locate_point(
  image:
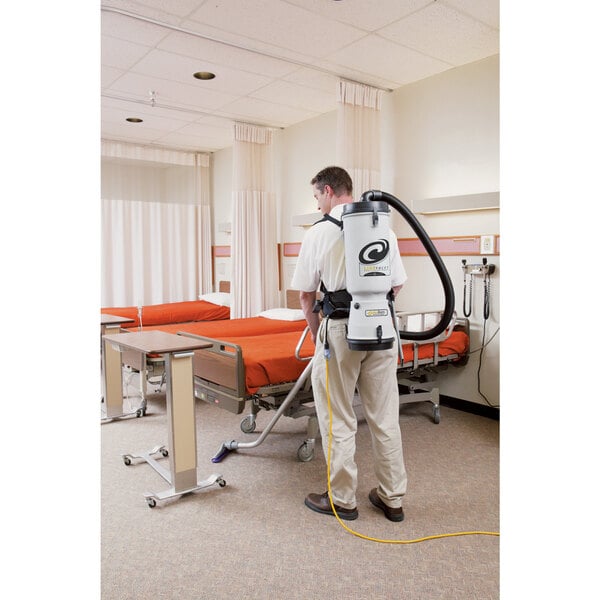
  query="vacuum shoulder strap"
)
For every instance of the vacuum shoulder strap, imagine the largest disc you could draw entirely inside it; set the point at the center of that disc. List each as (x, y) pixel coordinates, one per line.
(328, 217)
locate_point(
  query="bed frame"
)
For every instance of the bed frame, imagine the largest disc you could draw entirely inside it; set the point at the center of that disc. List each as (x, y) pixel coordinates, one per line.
(416, 377)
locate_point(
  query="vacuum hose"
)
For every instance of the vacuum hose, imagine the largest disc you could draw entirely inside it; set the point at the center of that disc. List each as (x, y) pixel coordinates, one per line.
(376, 195)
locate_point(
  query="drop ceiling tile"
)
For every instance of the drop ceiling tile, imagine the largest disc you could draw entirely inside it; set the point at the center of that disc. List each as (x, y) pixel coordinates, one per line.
(278, 24)
(120, 53)
(368, 15)
(266, 113)
(289, 94)
(201, 137)
(487, 11)
(388, 60)
(444, 33)
(224, 129)
(108, 75)
(196, 143)
(313, 79)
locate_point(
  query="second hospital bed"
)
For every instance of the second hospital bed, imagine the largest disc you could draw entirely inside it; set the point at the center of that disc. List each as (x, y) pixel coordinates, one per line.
(272, 372)
(268, 322)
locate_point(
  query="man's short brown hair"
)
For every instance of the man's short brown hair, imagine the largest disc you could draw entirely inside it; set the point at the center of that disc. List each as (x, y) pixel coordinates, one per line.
(336, 178)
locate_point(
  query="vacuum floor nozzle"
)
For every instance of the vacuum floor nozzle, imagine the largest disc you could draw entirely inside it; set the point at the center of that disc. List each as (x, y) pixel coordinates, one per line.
(221, 454)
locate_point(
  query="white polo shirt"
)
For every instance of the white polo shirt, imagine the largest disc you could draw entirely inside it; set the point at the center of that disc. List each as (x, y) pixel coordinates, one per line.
(322, 258)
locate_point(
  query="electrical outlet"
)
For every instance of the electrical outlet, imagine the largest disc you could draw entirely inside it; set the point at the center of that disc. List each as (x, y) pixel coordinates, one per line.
(487, 244)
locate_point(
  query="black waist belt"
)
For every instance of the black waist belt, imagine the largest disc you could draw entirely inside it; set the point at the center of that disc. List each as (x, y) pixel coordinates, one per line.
(335, 305)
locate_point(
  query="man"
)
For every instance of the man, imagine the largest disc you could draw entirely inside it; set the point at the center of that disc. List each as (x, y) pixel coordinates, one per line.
(321, 265)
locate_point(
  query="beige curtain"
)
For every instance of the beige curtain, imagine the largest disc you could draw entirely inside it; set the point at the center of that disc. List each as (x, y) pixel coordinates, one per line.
(155, 219)
(255, 279)
(204, 233)
(358, 134)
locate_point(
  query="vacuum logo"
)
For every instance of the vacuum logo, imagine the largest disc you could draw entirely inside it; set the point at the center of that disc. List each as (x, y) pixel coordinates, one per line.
(372, 259)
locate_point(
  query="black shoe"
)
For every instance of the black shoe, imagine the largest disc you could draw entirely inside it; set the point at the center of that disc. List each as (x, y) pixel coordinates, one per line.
(320, 503)
(393, 514)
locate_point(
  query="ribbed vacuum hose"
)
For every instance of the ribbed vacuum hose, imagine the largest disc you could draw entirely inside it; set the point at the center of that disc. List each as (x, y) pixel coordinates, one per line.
(433, 254)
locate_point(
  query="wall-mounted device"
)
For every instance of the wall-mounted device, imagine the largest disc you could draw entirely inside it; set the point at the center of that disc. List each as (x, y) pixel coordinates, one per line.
(482, 268)
(470, 270)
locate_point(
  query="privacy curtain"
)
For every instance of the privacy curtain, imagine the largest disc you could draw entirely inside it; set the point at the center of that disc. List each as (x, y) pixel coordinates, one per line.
(156, 227)
(358, 134)
(255, 280)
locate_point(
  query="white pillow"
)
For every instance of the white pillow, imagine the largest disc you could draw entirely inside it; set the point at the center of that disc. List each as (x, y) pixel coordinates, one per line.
(219, 298)
(283, 314)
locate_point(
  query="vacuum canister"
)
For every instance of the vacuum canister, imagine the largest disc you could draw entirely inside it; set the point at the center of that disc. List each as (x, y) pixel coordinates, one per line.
(368, 275)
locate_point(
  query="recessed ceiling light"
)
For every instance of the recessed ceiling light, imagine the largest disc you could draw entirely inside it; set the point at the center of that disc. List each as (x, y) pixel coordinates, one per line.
(204, 75)
(134, 120)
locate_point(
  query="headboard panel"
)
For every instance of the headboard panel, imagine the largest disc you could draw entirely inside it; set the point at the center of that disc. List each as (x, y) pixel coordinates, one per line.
(292, 299)
(225, 286)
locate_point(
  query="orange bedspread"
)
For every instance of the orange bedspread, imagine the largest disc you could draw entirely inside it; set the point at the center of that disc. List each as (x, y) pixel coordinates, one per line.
(248, 326)
(270, 359)
(171, 312)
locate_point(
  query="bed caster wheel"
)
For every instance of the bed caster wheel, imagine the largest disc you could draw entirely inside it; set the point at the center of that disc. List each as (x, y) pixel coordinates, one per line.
(151, 502)
(139, 412)
(164, 452)
(126, 460)
(222, 483)
(436, 414)
(306, 452)
(248, 424)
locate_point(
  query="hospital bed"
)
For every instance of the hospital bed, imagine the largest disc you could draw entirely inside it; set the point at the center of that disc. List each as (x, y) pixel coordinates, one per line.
(211, 307)
(272, 372)
(268, 322)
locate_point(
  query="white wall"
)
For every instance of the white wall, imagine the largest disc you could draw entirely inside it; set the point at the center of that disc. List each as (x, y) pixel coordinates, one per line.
(443, 140)
(306, 148)
(440, 137)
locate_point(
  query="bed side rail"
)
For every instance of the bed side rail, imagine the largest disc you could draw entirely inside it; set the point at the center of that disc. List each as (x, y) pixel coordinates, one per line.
(426, 320)
(219, 373)
(422, 321)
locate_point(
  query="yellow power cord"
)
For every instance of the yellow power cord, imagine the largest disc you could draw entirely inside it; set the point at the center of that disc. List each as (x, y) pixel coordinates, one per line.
(366, 537)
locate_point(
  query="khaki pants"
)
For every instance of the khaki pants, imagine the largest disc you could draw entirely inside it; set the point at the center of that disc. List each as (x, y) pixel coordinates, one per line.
(373, 373)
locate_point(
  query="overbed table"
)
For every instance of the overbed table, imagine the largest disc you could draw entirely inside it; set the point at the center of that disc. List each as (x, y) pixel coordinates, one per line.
(112, 388)
(181, 410)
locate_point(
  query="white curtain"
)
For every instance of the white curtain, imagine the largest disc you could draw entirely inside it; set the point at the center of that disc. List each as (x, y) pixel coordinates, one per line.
(255, 280)
(156, 232)
(359, 134)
